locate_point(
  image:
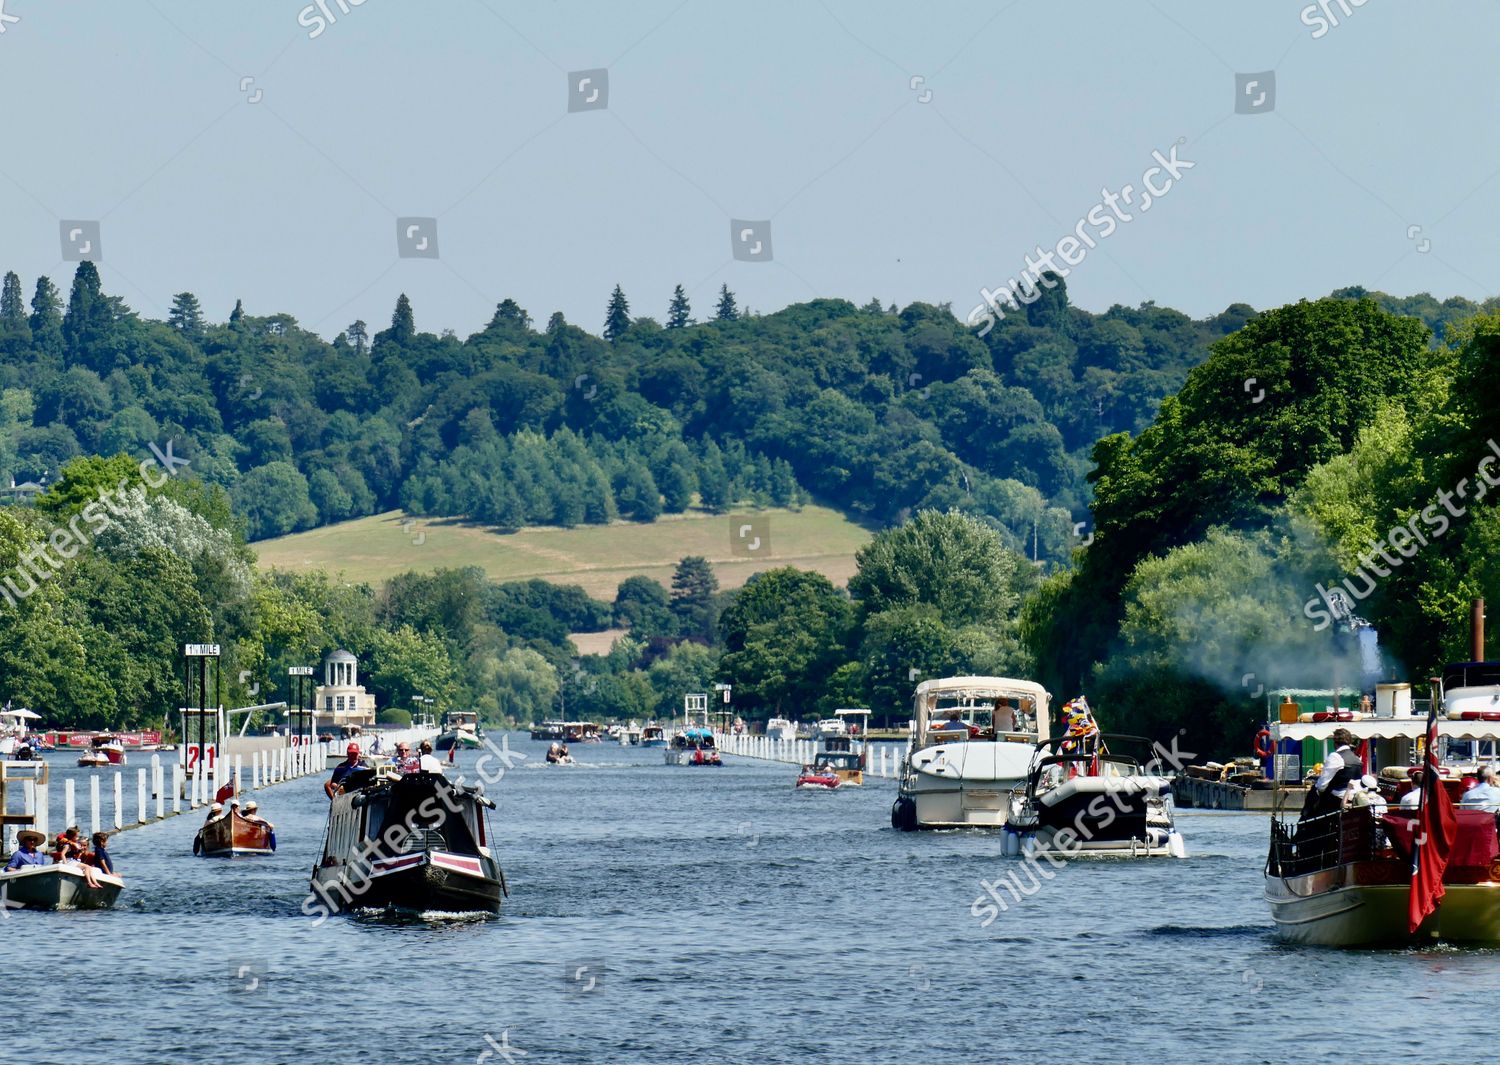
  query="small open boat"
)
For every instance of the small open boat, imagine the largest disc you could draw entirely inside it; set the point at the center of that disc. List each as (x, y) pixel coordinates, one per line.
(57, 887)
(103, 750)
(233, 835)
(818, 778)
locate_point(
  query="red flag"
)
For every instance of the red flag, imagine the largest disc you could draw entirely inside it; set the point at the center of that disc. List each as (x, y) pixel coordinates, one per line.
(1436, 827)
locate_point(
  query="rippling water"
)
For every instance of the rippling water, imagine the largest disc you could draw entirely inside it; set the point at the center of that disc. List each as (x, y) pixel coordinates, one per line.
(729, 920)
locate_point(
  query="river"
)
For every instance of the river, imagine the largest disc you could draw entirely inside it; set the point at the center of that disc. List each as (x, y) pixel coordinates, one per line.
(671, 914)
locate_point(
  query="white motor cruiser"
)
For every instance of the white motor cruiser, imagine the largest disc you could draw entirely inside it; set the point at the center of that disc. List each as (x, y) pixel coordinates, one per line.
(971, 747)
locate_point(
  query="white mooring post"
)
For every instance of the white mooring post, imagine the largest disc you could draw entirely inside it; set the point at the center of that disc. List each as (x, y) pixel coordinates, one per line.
(195, 787)
(238, 766)
(119, 817)
(43, 811)
(157, 788)
(142, 811)
(94, 802)
(255, 769)
(70, 804)
(178, 781)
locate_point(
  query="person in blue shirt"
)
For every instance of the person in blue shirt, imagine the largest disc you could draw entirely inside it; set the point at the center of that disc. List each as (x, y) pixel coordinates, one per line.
(351, 762)
(1484, 795)
(100, 858)
(27, 841)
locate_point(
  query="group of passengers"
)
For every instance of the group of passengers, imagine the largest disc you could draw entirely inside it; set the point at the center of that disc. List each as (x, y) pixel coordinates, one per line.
(68, 848)
(1342, 781)
(403, 761)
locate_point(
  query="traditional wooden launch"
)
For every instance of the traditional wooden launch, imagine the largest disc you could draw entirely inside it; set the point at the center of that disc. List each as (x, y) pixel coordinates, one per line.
(232, 834)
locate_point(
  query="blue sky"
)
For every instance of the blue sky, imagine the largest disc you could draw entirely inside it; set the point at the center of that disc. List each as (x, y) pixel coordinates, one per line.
(138, 114)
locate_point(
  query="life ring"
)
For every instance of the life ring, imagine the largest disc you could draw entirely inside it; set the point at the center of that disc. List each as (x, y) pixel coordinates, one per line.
(1264, 748)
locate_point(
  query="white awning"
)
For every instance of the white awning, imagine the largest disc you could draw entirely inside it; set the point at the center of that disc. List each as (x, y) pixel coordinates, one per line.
(1387, 728)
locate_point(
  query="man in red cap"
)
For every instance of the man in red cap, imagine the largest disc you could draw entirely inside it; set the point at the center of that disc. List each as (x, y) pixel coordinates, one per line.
(351, 762)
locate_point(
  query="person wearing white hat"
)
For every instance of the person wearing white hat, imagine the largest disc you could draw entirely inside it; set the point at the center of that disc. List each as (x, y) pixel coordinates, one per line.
(253, 817)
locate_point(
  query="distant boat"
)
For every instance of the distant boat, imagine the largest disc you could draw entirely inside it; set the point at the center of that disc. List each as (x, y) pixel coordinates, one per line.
(780, 728)
(460, 729)
(547, 731)
(653, 736)
(693, 746)
(581, 732)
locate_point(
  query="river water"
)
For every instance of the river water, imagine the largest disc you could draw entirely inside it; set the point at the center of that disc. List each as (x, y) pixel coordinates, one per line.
(672, 914)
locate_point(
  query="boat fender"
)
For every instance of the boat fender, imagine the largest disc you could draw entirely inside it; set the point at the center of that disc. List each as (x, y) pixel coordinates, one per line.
(1264, 748)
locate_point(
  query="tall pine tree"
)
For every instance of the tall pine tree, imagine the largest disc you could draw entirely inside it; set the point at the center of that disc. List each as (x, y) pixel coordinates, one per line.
(679, 314)
(403, 323)
(693, 588)
(727, 311)
(15, 330)
(617, 317)
(186, 314)
(85, 324)
(46, 317)
(237, 315)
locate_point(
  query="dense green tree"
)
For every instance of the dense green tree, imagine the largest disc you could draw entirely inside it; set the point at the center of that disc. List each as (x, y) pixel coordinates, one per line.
(643, 606)
(783, 635)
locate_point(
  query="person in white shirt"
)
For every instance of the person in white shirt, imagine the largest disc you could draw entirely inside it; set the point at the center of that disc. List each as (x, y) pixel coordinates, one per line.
(1340, 769)
(427, 763)
(1484, 795)
(1413, 798)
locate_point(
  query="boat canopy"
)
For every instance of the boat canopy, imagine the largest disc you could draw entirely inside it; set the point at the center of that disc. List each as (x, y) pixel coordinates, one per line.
(696, 733)
(1387, 728)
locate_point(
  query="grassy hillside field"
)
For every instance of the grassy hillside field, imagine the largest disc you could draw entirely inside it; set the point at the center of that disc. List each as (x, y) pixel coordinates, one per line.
(596, 557)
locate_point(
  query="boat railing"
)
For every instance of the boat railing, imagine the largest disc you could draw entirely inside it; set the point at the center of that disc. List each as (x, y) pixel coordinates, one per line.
(1328, 841)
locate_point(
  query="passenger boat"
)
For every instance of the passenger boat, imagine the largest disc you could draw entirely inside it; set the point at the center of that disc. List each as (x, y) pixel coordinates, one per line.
(547, 731)
(971, 746)
(831, 726)
(460, 729)
(413, 843)
(653, 736)
(1347, 878)
(581, 732)
(233, 835)
(818, 778)
(57, 887)
(1086, 795)
(693, 746)
(780, 728)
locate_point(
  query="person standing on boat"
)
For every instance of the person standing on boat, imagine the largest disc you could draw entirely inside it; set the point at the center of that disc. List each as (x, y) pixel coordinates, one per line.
(27, 841)
(352, 761)
(1340, 769)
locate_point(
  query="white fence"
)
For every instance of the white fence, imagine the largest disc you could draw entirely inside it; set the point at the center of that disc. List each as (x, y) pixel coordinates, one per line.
(162, 790)
(884, 759)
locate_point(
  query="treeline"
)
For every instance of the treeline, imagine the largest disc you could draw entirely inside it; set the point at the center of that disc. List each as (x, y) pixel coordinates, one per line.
(565, 479)
(877, 411)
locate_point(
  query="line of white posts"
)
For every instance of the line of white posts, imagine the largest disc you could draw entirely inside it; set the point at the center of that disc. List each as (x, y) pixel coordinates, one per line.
(884, 760)
(156, 799)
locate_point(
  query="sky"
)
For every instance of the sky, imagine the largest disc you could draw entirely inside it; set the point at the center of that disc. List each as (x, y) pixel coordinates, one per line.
(265, 151)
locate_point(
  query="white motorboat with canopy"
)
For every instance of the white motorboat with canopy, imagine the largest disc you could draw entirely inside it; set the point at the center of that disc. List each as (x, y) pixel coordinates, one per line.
(971, 746)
